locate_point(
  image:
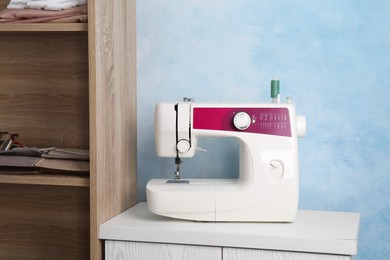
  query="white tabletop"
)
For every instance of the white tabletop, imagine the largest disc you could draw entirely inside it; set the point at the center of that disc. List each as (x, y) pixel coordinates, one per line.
(312, 231)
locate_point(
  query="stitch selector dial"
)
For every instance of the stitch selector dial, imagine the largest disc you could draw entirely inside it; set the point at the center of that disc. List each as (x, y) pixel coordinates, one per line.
(241, 121)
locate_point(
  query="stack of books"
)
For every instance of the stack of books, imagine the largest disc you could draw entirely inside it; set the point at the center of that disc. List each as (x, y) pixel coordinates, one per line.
(31, 160)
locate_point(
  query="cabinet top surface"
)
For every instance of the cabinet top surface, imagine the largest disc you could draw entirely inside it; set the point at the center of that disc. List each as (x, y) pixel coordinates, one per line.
(312, 231)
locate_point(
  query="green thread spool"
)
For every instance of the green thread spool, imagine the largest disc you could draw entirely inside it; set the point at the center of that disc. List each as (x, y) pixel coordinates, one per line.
(274, 88)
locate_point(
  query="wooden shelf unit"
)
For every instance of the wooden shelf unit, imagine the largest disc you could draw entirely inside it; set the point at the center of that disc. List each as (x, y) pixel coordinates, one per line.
(69, 85)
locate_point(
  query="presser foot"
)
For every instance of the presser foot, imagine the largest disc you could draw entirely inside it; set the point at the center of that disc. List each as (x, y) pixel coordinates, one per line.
(178, 181)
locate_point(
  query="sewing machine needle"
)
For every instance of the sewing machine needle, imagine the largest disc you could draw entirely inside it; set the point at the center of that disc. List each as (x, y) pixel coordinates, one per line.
(177, 172)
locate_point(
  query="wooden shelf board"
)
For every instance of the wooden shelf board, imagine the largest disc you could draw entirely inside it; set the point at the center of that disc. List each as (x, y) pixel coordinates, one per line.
(45, 179)
(45, 27)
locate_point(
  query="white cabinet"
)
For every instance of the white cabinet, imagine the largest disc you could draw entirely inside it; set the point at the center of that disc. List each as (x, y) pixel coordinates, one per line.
(139, 234)
(120, 250)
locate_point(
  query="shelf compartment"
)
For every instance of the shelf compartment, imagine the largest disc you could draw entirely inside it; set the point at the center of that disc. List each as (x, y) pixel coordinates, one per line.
(44, 88)
(44, 222)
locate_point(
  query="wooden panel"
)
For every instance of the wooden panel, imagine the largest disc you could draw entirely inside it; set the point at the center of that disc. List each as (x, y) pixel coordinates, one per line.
(254, 254)
(45, 27)
(44, 88)
(116, 250)
(45, 179)
(3, 4)
(43, 222)
(112, 111)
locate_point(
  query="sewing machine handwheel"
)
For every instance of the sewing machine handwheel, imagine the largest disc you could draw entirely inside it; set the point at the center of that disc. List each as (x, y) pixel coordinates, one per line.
(242, 121)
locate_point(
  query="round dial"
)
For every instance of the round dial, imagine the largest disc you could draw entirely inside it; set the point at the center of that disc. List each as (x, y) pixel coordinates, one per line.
(242, 121)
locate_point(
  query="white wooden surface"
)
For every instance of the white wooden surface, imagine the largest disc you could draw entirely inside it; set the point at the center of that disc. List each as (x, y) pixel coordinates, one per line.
(116, 250)
(312, 231)
(256, 254)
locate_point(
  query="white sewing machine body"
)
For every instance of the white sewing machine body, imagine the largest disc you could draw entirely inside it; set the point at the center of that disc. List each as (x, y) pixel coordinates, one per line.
(268, 186)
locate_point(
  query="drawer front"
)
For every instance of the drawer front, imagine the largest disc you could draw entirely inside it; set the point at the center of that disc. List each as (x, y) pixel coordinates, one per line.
(257, 254)
(155, 251)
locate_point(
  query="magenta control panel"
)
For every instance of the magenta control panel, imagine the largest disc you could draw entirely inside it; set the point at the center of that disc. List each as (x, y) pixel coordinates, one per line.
(270, 121)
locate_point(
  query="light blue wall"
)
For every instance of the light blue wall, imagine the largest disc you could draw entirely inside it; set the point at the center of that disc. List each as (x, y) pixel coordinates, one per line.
(332, 57)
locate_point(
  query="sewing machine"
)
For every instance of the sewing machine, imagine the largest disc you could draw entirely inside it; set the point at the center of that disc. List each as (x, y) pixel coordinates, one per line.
(267, 188)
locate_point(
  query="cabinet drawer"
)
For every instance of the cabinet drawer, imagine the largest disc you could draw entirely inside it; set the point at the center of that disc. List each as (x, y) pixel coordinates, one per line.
(154, 251)
(257, 254)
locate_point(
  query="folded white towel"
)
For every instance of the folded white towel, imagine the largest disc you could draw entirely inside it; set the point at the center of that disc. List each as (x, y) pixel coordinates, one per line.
(60, 4)
(36, 4)
(17, 4)
(54, 5)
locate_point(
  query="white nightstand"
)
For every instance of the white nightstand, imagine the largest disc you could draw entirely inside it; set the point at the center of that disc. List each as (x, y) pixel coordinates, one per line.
(139, 234)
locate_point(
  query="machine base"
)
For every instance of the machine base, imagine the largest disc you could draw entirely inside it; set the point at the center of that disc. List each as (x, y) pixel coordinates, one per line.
(217, 201)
